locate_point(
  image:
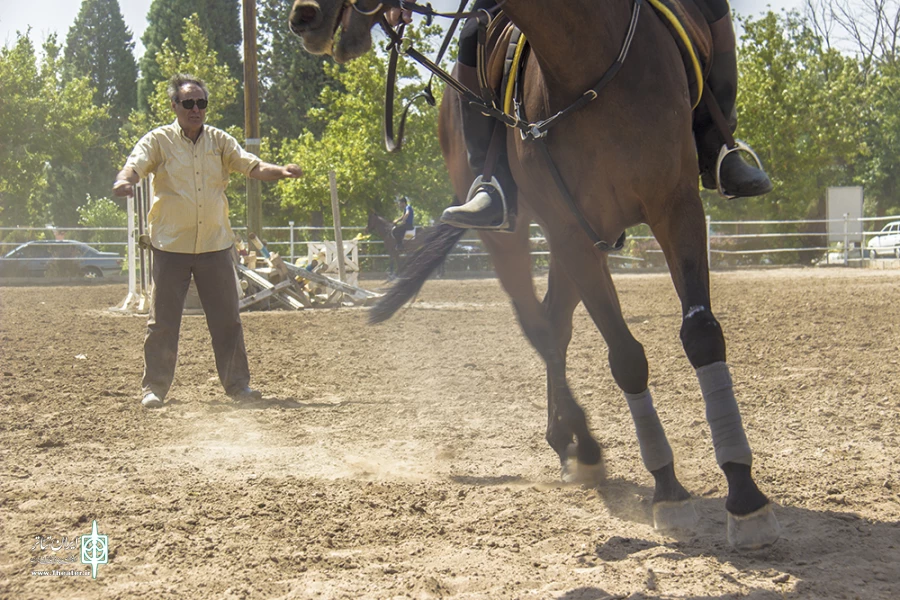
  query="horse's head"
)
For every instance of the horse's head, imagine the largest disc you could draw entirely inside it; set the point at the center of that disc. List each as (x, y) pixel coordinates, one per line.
(341, 28)
(372, 224)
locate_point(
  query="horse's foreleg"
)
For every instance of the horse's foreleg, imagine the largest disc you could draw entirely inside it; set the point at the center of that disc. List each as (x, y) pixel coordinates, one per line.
(681, 234)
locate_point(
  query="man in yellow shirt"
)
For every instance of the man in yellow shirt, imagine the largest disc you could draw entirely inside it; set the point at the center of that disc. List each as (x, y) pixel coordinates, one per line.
(190, 234)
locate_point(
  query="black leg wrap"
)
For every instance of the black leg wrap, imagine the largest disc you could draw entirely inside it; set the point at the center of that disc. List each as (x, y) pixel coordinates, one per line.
(629, 368)
(744, 497)
(702, 338)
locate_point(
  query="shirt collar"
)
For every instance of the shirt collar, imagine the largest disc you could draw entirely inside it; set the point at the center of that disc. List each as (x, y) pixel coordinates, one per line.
(184, 136)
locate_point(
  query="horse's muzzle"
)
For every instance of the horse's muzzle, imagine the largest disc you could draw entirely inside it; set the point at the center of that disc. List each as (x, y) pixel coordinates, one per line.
(305, 15)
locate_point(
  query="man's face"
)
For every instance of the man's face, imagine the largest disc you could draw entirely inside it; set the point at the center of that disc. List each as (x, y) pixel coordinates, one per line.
(190, 118)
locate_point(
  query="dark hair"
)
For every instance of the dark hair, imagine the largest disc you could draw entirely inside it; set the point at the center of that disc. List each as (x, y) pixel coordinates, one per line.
(180, 80)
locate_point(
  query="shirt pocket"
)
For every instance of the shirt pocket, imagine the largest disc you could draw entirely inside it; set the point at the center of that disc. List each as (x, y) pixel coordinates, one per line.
(215, 167)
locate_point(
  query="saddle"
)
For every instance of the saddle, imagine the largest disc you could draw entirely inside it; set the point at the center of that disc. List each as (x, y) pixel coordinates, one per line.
(501, 57)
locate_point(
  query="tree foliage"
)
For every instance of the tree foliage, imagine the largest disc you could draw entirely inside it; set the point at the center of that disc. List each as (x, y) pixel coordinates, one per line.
(787, 109)
(100, 47)
(220, 22)
(352, 146)
(291, 79)
(44, 120)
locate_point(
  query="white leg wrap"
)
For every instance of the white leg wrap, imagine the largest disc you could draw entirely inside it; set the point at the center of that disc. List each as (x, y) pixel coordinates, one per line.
(655, 449)
(723, 415)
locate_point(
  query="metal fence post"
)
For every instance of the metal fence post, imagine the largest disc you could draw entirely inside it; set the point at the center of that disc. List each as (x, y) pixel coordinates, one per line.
(291, 226)
(708, 243)
(846, 239)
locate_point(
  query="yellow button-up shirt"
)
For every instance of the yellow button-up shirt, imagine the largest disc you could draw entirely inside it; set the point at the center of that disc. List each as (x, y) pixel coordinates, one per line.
(189, 212)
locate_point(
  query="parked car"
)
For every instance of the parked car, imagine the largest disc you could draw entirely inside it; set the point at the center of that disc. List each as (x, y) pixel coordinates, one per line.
(886, 243)
(61, 258)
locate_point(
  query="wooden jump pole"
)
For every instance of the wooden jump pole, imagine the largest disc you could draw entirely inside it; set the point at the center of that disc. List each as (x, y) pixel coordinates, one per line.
(338, 238)
(251, 115)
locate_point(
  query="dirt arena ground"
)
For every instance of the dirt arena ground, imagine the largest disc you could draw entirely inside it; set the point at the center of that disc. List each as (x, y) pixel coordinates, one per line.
(408, 460)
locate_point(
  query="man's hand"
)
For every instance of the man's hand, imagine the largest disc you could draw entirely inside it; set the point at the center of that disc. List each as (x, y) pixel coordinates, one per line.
(394, 16)
(292, 171)
(123, 188)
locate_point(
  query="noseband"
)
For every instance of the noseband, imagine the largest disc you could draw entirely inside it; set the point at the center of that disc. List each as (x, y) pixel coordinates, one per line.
(366, 13)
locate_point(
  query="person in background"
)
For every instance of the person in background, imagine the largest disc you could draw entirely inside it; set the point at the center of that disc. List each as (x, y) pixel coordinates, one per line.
(404, 222)
(190, 235)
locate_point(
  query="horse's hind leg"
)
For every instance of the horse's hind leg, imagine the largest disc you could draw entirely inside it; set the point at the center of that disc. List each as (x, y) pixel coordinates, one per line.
(672, 508)
(567, 422)
(682, 236)
(559, 305)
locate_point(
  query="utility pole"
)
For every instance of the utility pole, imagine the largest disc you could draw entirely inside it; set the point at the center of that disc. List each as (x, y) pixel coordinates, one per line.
(251, 115)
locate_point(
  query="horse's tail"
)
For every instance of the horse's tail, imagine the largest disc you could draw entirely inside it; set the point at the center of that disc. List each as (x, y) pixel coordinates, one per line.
(420, 265)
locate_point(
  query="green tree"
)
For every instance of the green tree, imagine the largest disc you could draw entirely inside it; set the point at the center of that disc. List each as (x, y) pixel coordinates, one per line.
(44, 120)
(352, 145)
(799, 107)
(291, 79)
(882, 181)
(220, 22)
(103, 212)
(99, 47)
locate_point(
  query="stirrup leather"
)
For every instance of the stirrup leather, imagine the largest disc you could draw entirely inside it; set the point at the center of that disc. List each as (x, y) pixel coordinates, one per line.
(507, 224)
(739, 146)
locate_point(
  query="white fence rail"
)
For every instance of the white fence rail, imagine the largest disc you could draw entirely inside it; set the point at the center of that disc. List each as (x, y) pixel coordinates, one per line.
(729, 244)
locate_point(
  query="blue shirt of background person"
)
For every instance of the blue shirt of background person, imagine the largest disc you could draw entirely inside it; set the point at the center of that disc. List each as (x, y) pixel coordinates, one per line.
(408, 215)
(403, 223)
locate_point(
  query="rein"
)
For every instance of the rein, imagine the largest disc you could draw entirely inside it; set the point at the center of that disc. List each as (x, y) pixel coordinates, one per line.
(427, 11)
(533, 131)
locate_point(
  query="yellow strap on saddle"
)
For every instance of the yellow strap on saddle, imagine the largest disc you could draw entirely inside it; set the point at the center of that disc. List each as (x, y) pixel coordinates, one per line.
(662, 9)
(686, 40)
(513, 76)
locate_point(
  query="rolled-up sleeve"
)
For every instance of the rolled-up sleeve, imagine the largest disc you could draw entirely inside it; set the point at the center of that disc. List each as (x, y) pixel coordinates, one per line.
(146, 156)
(237, 159)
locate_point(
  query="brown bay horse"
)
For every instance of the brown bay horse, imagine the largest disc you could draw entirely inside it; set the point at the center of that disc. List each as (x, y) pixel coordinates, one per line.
(626, 158)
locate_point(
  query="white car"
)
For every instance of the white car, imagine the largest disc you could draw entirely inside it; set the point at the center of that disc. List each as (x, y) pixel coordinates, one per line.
(886, 242)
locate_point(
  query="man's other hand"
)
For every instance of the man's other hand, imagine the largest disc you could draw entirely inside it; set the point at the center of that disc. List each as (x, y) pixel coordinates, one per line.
(292, 171)
(123, 188)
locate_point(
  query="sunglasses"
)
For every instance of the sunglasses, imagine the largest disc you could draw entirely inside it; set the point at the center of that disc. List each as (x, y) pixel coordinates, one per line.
(189, 104)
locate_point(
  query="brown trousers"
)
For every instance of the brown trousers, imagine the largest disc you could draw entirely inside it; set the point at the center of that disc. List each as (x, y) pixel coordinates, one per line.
(214, 275)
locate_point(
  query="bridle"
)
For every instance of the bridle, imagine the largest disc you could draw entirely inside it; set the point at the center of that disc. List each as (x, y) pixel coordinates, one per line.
(425, 10)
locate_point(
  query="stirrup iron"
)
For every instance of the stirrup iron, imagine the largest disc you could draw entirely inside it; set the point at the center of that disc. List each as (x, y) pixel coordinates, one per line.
(739, 146)
(506, 225)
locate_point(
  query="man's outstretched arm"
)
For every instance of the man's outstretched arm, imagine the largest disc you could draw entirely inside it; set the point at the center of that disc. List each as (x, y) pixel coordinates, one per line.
(268, 172)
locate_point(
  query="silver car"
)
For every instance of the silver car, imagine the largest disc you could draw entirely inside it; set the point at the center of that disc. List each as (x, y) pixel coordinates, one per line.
(67, 257)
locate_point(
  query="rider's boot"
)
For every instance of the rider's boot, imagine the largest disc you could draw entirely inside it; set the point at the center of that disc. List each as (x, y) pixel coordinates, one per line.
(491, 204)
(736, 178)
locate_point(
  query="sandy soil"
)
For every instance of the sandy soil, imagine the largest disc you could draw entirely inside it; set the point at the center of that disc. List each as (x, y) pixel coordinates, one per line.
(408, 460)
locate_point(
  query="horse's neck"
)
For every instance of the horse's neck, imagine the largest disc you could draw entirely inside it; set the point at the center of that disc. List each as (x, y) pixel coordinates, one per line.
(574, 41)
(384, 227)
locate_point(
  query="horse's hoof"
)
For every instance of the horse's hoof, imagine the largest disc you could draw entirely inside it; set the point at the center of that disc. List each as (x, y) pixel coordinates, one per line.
(754, 531)
(577, 472)
(670, 515)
